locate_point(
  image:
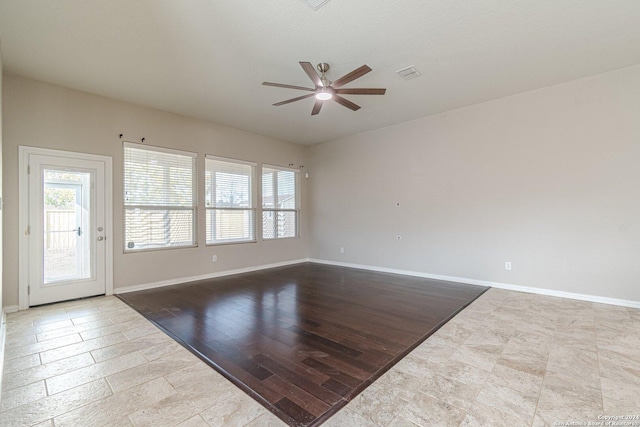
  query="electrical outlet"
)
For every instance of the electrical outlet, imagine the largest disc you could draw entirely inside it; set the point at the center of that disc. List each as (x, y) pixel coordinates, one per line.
(214, 258)
(341, 249)
(507, 265)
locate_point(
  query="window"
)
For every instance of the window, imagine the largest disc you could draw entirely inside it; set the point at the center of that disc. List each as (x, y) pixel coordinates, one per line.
(279, 202)
(159, 198)
(229, 199)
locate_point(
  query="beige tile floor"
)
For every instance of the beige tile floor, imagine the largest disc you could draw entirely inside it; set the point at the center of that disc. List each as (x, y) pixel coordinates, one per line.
(509, 359)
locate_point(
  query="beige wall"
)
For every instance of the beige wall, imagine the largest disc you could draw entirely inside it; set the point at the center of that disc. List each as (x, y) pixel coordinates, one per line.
(43, 115)
(548, 180)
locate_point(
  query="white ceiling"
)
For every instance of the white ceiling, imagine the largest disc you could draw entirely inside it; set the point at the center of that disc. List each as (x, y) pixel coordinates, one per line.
(208, 58)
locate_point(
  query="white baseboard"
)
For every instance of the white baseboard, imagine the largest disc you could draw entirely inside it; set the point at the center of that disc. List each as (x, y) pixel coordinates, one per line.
(540, 291)
(3, 334)
(141, 287)
(10, 309)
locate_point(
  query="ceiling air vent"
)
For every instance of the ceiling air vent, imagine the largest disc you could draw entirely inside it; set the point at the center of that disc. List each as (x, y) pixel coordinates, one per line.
(409, 73)
(316, 4)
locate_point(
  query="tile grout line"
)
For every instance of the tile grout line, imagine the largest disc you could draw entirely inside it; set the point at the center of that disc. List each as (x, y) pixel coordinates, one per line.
(595, 333)
(535, 412)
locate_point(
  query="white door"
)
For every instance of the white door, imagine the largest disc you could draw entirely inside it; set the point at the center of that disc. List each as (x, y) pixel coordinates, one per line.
(67, 228)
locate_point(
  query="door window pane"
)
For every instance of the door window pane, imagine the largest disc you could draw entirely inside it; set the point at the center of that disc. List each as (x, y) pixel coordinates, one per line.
(66, 227)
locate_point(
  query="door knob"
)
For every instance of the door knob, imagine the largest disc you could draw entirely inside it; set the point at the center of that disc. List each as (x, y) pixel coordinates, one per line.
(100, 238)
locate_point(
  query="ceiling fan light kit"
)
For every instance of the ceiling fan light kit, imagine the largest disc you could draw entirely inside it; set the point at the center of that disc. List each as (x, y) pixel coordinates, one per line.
(326, 90)
(324, 94)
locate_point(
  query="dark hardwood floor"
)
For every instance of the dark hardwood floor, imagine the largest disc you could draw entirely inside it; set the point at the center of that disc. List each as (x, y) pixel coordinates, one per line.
(303, 340)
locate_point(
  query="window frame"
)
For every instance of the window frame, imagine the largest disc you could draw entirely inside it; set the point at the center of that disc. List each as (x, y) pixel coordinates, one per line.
(193, 207)
(274, 210)
(254, 200)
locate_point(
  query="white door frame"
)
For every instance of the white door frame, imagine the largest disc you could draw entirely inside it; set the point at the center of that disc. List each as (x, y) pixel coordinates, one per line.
(23, 220)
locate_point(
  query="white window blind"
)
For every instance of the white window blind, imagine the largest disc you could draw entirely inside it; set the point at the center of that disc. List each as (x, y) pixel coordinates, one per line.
(229, 199)
(159, 197)
(279, 202)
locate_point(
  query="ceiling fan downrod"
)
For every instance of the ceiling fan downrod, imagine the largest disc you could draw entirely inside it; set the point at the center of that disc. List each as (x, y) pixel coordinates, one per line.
(323, 67)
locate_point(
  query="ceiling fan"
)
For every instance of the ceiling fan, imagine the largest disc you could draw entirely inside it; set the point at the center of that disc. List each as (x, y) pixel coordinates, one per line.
(326, 90)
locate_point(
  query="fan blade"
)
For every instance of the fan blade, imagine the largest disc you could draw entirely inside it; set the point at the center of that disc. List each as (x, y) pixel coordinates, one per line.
(355, 74)
(361, 91)
(311, 72)
(345, 102)
(316, 107)
(277, 104)
(287, 86)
